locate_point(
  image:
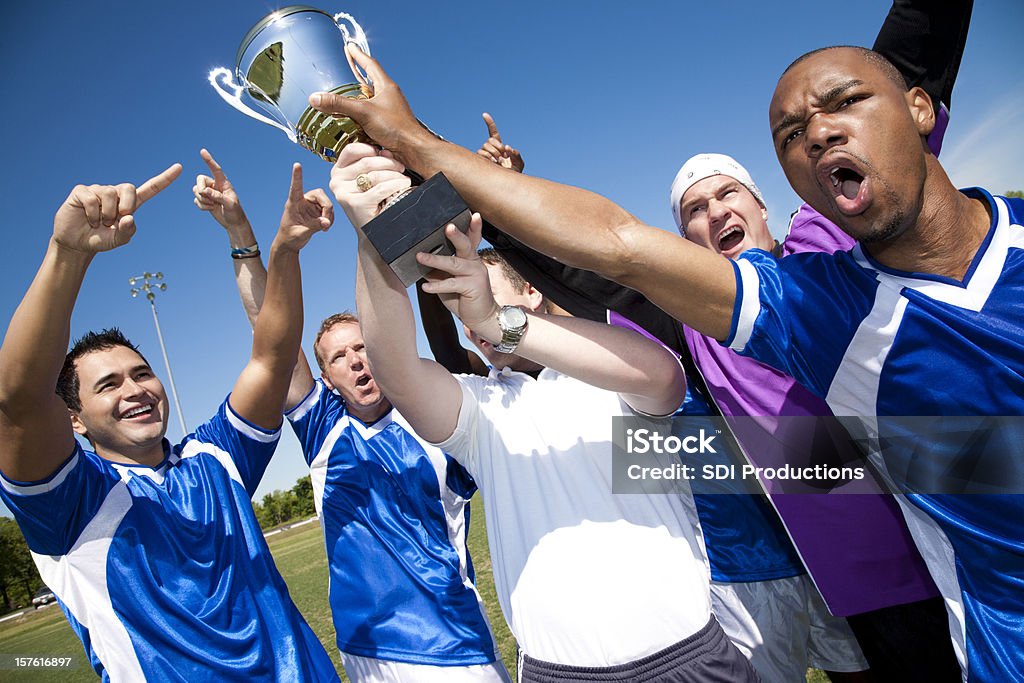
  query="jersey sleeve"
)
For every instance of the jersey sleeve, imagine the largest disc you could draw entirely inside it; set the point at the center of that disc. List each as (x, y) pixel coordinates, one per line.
(249, 446)
(313, 418)
(463, 444)
(765, 325)
(53, 512)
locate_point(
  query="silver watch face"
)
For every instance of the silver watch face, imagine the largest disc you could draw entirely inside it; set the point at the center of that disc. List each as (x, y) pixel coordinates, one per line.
(511, 317)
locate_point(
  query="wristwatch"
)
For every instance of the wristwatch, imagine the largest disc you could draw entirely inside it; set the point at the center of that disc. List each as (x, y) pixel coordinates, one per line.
(512, 321)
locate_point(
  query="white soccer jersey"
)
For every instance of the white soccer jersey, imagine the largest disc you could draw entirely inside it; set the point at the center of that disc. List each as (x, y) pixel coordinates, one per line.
(584, 577)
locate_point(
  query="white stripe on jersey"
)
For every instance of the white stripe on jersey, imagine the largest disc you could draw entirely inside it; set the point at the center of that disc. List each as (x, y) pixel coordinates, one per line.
(34, 489)
(299, 411)
(367, 432)
(750, 305)
(248, 430)
(854, 389)
(1016, 238)
(79, 579)
(938, 554)
(972, 297)
(194, 447)
(318, 466)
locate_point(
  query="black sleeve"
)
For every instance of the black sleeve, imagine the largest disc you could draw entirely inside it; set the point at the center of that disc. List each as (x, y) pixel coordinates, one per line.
(925, 40)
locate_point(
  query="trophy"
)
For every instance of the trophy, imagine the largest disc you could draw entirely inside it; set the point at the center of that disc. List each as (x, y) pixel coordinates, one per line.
(297, 51)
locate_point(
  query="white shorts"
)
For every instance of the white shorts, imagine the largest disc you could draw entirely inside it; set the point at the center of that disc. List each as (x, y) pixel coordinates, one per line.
(370, 670)
(783, 626)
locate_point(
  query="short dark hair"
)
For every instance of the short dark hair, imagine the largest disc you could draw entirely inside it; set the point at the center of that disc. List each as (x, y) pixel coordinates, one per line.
(875, 58)
(68, 387)
(325, 326)
(492, 257)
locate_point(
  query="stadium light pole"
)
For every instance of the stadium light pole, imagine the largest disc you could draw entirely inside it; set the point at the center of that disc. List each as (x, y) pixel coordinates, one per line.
(150, 283)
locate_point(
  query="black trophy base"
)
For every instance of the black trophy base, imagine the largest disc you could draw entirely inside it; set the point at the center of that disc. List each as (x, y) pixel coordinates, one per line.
(416, 223)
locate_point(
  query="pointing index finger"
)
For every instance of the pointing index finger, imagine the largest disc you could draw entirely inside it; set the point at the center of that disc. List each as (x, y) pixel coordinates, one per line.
(492, 128)
(295, 193)
(156, 185)
(215, 169)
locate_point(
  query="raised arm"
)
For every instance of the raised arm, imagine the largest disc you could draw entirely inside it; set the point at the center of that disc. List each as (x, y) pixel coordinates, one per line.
(216, 195)
(261, 391)
(582, 293)
(35, 430)
(423, 392)
(641, 371)
(577, 227)
(925, 41)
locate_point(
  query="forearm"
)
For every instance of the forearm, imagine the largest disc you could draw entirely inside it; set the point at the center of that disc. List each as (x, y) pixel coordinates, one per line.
(262, 389)
(425, 393)
(584, 230)
(604, 356)
(575, 226)
(250, 273)
(37, 338)
(277, 333)
(251, 280)
(386, 319)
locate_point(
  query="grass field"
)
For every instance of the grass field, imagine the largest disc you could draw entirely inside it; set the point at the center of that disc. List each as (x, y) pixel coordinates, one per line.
(299, 554)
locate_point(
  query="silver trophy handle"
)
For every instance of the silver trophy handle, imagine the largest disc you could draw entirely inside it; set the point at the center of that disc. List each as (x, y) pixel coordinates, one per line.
(231, 93)
(353, 33)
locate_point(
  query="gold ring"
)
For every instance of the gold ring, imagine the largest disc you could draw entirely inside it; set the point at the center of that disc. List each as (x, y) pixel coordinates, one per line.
(363, 182)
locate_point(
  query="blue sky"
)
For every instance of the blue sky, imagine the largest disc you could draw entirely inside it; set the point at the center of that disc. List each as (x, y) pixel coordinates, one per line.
(612, 97)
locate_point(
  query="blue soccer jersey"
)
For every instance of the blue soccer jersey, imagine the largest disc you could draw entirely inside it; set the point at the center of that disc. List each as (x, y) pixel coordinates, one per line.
(874, 343)
(743, 536)
(163, 571)
(395, 516)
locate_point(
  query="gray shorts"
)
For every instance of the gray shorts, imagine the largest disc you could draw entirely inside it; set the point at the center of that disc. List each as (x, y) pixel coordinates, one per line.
(705, 657)
(783, 626)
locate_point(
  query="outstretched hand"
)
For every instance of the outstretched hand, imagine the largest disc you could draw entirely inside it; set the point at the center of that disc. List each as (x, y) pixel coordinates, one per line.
(497, 151)
(385, 117)
(214, 193)
(461, 280)
(382, 172)
(305, 213)
(99, 218)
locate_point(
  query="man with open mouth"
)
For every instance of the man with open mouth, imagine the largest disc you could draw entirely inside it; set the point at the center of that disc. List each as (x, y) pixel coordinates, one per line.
(394, 509)
(924, 306)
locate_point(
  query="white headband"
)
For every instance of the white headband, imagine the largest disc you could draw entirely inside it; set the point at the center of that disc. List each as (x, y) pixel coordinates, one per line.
(702, 166)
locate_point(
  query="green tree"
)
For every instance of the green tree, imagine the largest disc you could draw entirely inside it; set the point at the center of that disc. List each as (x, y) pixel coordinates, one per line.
(303, 493)
(271, 511)
(19, 578)
(1017, 194)
(281, 507)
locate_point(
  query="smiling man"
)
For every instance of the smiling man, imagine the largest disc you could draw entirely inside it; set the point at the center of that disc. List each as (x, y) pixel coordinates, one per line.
(153, 551)
(941, 268)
